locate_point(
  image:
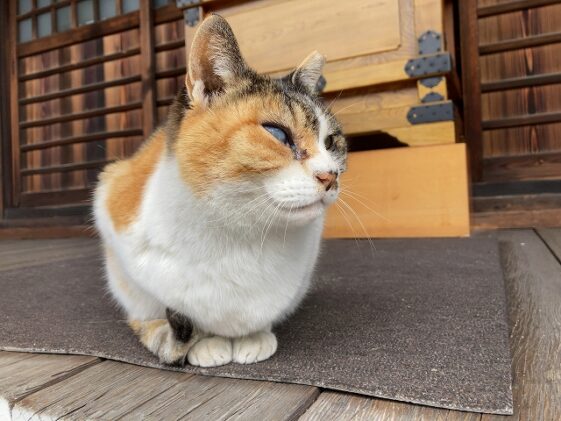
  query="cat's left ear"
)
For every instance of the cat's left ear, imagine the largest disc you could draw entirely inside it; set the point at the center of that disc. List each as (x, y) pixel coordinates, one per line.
(215, 60)
(309, 72)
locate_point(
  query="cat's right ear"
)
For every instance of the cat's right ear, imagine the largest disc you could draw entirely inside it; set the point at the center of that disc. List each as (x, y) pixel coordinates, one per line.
(215, 60)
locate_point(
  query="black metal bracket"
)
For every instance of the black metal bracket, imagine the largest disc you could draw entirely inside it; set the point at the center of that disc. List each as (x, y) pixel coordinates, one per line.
(429, 65)
(431, 113)
(430, 42)
(432, 97)
(431, 82)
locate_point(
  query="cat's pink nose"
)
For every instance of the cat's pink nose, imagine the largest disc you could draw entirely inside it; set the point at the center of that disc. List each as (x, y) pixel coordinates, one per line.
(327, 179)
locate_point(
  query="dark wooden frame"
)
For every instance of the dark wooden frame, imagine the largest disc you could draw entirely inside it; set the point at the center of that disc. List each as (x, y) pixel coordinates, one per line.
(144, 19)
(471, 85)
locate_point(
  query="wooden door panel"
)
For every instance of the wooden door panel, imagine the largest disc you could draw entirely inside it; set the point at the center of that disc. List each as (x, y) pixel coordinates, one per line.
(276, 36)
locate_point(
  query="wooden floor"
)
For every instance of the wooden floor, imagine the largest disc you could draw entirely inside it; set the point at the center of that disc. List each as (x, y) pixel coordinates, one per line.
(49, 387)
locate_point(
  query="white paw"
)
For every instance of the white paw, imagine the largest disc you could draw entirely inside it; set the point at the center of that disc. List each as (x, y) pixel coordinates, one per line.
(211, 352)
(253, 348)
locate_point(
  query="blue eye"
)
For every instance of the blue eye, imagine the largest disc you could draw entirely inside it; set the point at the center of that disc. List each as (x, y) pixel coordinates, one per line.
(278, 133)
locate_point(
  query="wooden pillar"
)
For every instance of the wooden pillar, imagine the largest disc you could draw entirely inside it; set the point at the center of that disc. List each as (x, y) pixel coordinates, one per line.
(13, 145)
(147, 68)
(471, 85)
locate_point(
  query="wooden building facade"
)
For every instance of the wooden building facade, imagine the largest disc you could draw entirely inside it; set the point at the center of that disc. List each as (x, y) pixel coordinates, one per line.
(88, 81)
(85, 81)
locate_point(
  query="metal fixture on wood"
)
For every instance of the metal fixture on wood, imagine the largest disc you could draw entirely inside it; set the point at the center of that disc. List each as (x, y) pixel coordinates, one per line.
(428, 65)
(431, 113)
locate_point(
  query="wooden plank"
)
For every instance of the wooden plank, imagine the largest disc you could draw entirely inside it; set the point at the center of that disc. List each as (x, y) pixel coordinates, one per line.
(80, 34)
(522, 167)
(410, 192)
(23, 374)
(552, 237)
(369, 120)
(62, 231)
(368, 75)
(73, 166)
(520, 43)
(429, 16)
(84, 114)
(113, 390)
(80, 90)
(294, 28)
(512, 6)
(441, 89)
(521, 82)
(60, 251)
(533, 286)
(522, 120)
(56, 197)
(80, 65)
(426, 134)
(518, 202)
(81, 139)
(147, 68)
(469, 40)
(342, 407)
(14, 109)
(516, 219)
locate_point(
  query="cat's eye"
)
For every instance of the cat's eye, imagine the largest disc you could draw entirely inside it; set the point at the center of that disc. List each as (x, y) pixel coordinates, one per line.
(280, 134)
(329, 142)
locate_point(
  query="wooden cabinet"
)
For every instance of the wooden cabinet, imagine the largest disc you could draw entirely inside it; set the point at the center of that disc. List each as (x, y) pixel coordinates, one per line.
(390, 69)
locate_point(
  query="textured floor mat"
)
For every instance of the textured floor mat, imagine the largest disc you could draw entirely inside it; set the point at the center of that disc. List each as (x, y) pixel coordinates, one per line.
(418, 321)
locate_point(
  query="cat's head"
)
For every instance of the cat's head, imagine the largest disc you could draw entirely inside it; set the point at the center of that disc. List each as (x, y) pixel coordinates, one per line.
(256, 148)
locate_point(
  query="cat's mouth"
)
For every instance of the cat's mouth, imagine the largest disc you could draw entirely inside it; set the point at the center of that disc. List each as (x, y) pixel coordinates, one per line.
(310, 207)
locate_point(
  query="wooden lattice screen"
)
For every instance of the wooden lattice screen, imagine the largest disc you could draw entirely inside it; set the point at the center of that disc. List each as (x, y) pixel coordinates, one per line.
(89, 79)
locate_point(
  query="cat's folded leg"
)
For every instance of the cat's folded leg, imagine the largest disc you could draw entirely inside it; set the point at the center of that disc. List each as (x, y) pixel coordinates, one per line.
(159, 337)
(254, 348)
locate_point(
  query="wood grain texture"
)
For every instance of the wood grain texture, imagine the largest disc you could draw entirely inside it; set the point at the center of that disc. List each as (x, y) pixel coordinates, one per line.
(521, 53)
(408, 192)
(533, 285)
(522, 167)
(114, 390)
(43, 251)
(516, 219)
(552, 237)
(343, 407)
(471, 84)
(23, 374)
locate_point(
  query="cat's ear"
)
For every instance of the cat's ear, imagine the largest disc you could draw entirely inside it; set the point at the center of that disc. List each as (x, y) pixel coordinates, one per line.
(214, 61)
(308, 73)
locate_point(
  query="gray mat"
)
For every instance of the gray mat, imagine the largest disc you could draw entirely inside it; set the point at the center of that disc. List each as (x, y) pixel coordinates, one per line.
(420, 321)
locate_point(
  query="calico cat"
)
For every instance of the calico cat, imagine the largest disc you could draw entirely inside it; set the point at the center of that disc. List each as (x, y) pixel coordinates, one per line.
(215, 223)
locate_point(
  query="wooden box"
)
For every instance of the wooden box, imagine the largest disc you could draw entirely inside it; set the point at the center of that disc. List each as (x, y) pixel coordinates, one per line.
(388, 71)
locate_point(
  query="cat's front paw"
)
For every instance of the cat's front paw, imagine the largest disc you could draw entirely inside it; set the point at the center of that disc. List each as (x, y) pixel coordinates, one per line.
(211, 352)
(254, 348)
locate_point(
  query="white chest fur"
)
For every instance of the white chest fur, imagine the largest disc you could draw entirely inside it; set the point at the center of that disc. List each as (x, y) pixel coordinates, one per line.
(229, 281)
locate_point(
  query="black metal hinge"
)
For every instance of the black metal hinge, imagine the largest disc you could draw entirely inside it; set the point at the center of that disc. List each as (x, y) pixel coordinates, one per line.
(431, 113)
(428, 65)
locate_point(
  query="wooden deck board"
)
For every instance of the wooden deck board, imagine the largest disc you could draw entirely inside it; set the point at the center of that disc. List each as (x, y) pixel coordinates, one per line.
(22, 374)
(552, 237)
(344, 406)
(533, 285)
(113, 390)
(26, 253)
(48, 386)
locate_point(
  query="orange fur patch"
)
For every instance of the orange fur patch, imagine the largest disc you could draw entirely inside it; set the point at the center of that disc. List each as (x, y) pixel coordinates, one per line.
(125, 181)
(228, 142)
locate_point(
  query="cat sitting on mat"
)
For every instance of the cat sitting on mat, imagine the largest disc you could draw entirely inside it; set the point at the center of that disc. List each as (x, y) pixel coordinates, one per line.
(212, 229)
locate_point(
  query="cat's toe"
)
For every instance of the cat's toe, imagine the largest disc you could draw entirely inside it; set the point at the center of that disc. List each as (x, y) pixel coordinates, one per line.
(254, 348)
(211, 352)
